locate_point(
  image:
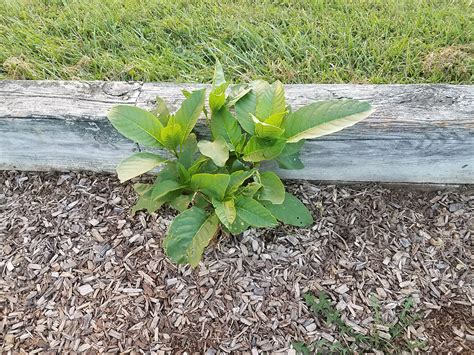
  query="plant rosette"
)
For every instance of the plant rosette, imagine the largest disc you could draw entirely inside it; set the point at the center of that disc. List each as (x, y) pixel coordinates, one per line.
(216, 184)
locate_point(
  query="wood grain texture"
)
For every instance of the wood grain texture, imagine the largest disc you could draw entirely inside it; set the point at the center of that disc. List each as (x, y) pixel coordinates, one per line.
(419, 133)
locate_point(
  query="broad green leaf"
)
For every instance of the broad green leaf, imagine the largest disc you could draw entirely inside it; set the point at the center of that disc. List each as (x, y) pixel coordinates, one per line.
(238, 226)
(236, 92)
(292, 211)
(161, 111)
(142, 188)
(271, 102)
(165, 187)
(289, 157)
(213, 185)
(275, 120)
(225, 210)
(237, 178)
(243, 108)
(145, 201)
(137, 164)
(251, 189)
(187, 151)
(324, 117)
(217, 151)
(258, 149)
(171, 135)
(272, 188)
(168, 172)
(136, 124)
(189, 234)
(224, 125)
(189, 112)
(200, 201)
(265, 130)
(181, 202)
(290, 162)
(253, 213)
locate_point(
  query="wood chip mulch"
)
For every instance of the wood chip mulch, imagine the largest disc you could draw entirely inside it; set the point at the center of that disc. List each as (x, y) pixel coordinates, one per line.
(79, 274)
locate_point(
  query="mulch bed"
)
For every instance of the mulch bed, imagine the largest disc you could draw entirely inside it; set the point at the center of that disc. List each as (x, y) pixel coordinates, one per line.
(78, 273)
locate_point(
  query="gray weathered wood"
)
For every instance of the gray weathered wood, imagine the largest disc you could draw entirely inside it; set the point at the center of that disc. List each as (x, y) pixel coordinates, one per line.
(419, 133)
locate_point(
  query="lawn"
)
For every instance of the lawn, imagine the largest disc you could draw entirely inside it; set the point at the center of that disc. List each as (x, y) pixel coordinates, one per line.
(295, 41)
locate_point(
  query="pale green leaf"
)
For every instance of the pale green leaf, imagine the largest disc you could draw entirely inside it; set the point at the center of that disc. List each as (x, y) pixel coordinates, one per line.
(212, 185)
(250, 189)
(253, 213)
(219, 77)
(259, 149)
(265, 130)
(217, 151)
(236, 92)
(137, 164)
(161, 111)
(136, 124)
(171, 135)
(271, 102)
(145, 201)
(189, 234)
(225, 210)
(324, 117)
(292, 211)
(163, 188)
(190, 110)
(272, 188)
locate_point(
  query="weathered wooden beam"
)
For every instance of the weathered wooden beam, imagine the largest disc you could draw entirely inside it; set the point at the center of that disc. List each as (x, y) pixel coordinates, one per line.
(419, 133)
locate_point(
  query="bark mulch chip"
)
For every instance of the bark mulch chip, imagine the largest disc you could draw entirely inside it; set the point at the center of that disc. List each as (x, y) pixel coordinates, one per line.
(78, 273)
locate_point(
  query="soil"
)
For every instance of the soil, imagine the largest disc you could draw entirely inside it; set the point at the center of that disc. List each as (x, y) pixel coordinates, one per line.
(80, 274)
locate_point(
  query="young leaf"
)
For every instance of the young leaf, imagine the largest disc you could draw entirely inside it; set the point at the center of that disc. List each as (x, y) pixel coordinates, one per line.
(189, 112)
(136, 124)
(253, 213)
(258, 149)
(218, 78)
(161, 111)
(163, 188)
(224, 125)
(265, 130)
(271, 102)
(272, 188)
(225, 210)
(217, 151)
(171, 135)
(137, 164)
(213, 185)
(189, 234)
(292, 211)
(248, 105)
(237, 178)
(324, 117)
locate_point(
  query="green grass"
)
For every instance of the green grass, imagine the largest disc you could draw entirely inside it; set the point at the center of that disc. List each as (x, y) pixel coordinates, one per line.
(295, 41)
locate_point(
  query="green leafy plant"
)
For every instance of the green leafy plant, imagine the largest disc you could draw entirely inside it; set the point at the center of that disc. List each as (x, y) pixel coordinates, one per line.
(216, 183)
(322, 307)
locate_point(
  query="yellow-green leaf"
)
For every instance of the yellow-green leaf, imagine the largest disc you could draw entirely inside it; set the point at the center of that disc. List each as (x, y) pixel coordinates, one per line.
(324, 117)
(137, 164)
